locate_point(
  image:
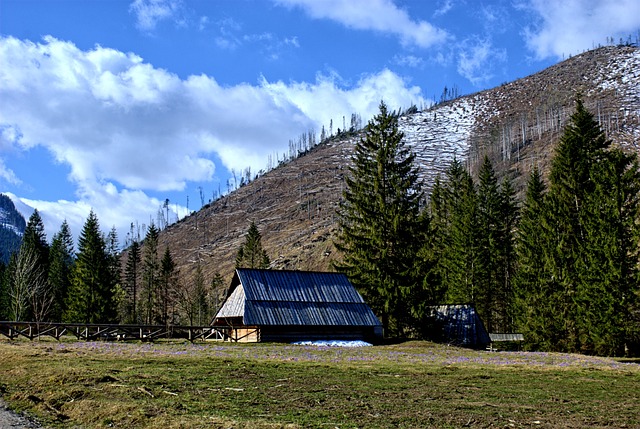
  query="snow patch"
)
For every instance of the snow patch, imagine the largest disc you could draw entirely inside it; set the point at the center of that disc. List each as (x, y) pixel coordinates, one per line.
(333, 343)
(442, 133)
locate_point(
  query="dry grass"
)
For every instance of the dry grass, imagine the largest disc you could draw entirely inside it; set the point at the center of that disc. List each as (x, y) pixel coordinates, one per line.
(176, 385)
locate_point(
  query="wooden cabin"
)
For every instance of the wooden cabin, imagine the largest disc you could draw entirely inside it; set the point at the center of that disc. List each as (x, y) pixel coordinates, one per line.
(289, 306)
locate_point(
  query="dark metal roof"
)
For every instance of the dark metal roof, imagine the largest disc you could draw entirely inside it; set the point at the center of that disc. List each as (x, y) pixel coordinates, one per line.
(297, 286)
(461, 324)
(288, 313)
(288, 298)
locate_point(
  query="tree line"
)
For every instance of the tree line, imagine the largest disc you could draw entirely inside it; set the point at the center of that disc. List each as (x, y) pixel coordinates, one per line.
(562, 266)
(53, 282)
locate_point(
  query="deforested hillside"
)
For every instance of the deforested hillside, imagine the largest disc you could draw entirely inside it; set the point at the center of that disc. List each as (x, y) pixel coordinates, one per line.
(516, 124)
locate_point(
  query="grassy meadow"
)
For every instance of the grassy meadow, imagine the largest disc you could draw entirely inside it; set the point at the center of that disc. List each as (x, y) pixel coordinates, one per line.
(409, 385)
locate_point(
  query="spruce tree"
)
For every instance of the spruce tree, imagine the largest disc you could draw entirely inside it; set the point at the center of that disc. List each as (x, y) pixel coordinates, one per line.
(507, 257)
(91, 294)
(428, 290)
(132, 274)
(114, 268)
(150, 277)
(593, 212)
(61, 260)
(456, 214)
(251, 254)
(379, 221)
(35, 238)
(488, 277)
(168, 286)
(608, 289)
(536, 294)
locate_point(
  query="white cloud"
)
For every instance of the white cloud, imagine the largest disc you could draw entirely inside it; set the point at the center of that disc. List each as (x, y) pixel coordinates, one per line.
(572, 26)
(377, 15)
(477, 58)
(495, 19)
(8, 175)
(363, 98)
(227, 39)
(409, 61)
(150, 12)
(444, 6)
(125, 128)
(292, 41)
(270, 45)
(203, 22)
(113, 208)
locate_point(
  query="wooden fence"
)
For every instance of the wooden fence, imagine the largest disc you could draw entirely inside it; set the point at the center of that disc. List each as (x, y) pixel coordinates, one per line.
(110, 332)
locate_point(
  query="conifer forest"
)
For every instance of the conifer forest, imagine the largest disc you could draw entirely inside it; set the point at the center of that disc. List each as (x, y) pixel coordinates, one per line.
(561, 264)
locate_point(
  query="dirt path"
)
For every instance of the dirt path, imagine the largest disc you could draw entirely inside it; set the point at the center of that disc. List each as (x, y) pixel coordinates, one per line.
(12, 420)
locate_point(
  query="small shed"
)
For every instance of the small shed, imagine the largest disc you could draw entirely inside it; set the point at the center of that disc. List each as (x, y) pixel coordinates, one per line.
(460, 325)
(287, 306)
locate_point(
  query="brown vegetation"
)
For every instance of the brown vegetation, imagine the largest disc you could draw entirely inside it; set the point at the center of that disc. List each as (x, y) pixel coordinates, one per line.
(516, 124)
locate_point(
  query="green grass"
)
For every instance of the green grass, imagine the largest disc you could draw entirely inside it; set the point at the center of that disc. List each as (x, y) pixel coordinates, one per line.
(214, 385)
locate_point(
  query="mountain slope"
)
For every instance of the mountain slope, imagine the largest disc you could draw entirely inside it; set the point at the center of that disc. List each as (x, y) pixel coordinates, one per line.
(12, 226)
(516, 124)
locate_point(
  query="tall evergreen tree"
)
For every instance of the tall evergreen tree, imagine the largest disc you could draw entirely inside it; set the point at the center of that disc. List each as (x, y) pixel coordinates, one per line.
(35, 237)
(608, 266)
(497, 213)
(455, 211)
(489, 270)
(61, 259)
(132, 284)
(150, 276)
(593, 197)
(507, 257)
(379, 221)
(428, 290)
(251, 254)
(168, 286)
(536, 294)
(91, 294)
(114, 267)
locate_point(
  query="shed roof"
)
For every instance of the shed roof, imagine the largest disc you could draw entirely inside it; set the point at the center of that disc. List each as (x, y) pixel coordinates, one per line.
(285, 298)
(461, 324)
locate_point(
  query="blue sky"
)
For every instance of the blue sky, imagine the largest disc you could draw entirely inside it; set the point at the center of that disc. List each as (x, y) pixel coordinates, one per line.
(117, 106)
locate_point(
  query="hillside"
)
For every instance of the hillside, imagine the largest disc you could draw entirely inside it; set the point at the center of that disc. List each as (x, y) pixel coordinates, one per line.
(516, 124)
(12, 226)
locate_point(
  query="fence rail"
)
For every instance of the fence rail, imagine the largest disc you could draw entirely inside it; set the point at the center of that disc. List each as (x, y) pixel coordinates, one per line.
(109, 332)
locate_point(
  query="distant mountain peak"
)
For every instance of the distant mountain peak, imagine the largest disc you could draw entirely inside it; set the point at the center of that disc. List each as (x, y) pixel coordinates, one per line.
(12, 226)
